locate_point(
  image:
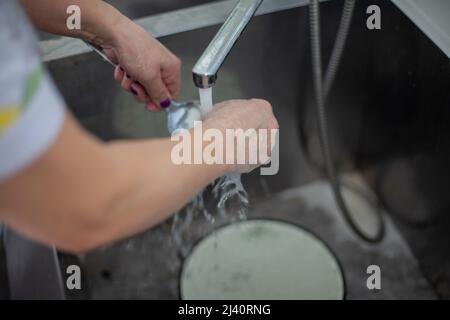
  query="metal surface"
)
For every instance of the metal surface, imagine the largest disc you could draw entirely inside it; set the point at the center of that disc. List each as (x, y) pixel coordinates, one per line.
(170, 23)
(4, 285)
(100, 53)
(432, 17)
(206, 68)
(33, 269)
(136, 267)
(322, 87)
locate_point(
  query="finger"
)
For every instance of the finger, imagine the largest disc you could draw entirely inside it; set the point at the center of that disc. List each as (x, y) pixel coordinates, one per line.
(126, 82)
(119, 74)
(141, 95)
(171, 76)
(158, 92)
(139, 92)
(111, 55)
(152, 107)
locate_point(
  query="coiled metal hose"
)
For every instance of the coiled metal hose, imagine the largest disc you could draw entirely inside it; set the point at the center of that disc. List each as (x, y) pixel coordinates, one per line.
(322, 89)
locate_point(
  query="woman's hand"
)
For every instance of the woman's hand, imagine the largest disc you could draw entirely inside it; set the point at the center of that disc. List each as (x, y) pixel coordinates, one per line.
(253, 118)
(149, 70)
(145, 67)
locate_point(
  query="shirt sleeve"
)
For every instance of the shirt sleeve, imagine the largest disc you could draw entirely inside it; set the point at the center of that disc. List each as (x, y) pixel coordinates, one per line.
(31, 109)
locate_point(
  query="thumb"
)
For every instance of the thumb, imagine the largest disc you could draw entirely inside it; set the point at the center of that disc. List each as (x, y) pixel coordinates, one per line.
(111, 55)
(158, 92)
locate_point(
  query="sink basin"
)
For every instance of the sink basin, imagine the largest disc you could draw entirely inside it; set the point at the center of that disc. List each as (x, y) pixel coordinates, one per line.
(270, 61)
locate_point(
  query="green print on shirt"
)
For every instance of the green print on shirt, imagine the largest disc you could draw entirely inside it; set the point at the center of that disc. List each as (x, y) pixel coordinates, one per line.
(32, 85)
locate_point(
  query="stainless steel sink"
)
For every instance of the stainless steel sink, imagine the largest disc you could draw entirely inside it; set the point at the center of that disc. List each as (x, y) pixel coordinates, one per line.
(270, 61)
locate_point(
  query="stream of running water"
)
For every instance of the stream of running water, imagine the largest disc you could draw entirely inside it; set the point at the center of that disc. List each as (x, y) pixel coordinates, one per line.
(228, 191)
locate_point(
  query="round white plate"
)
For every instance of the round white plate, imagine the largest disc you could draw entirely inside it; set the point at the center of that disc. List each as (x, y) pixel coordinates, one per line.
(261, 259)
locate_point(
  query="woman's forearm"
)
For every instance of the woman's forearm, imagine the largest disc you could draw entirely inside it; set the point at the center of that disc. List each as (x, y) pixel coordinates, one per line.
(152, 187)
(83, 193)
(99, 20)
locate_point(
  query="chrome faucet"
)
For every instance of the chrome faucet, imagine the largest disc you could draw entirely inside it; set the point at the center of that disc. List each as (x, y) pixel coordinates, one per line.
(206, 68)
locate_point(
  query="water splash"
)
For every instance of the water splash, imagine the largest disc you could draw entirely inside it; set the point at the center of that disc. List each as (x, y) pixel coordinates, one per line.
(228, 191)
(183, 219)
(232, 205)
(229, 188)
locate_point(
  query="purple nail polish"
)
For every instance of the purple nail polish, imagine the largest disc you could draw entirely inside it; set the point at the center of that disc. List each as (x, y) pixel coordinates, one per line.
(121, 69)
(134, 91)
(166, 103)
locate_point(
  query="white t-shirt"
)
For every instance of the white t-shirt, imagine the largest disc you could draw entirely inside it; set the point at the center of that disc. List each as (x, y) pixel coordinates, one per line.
(31, 109)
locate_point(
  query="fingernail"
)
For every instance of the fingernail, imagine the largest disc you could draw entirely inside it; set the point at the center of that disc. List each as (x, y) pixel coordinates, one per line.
(166, 103)
(121, 69)
(134, 91)
(151, 106)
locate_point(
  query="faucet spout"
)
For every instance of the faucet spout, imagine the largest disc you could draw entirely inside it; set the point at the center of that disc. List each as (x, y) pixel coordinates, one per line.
(206, 68)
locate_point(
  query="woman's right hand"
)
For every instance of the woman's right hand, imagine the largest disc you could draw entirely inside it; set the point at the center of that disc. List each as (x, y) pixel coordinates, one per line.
(245, 114)
(145, 67)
